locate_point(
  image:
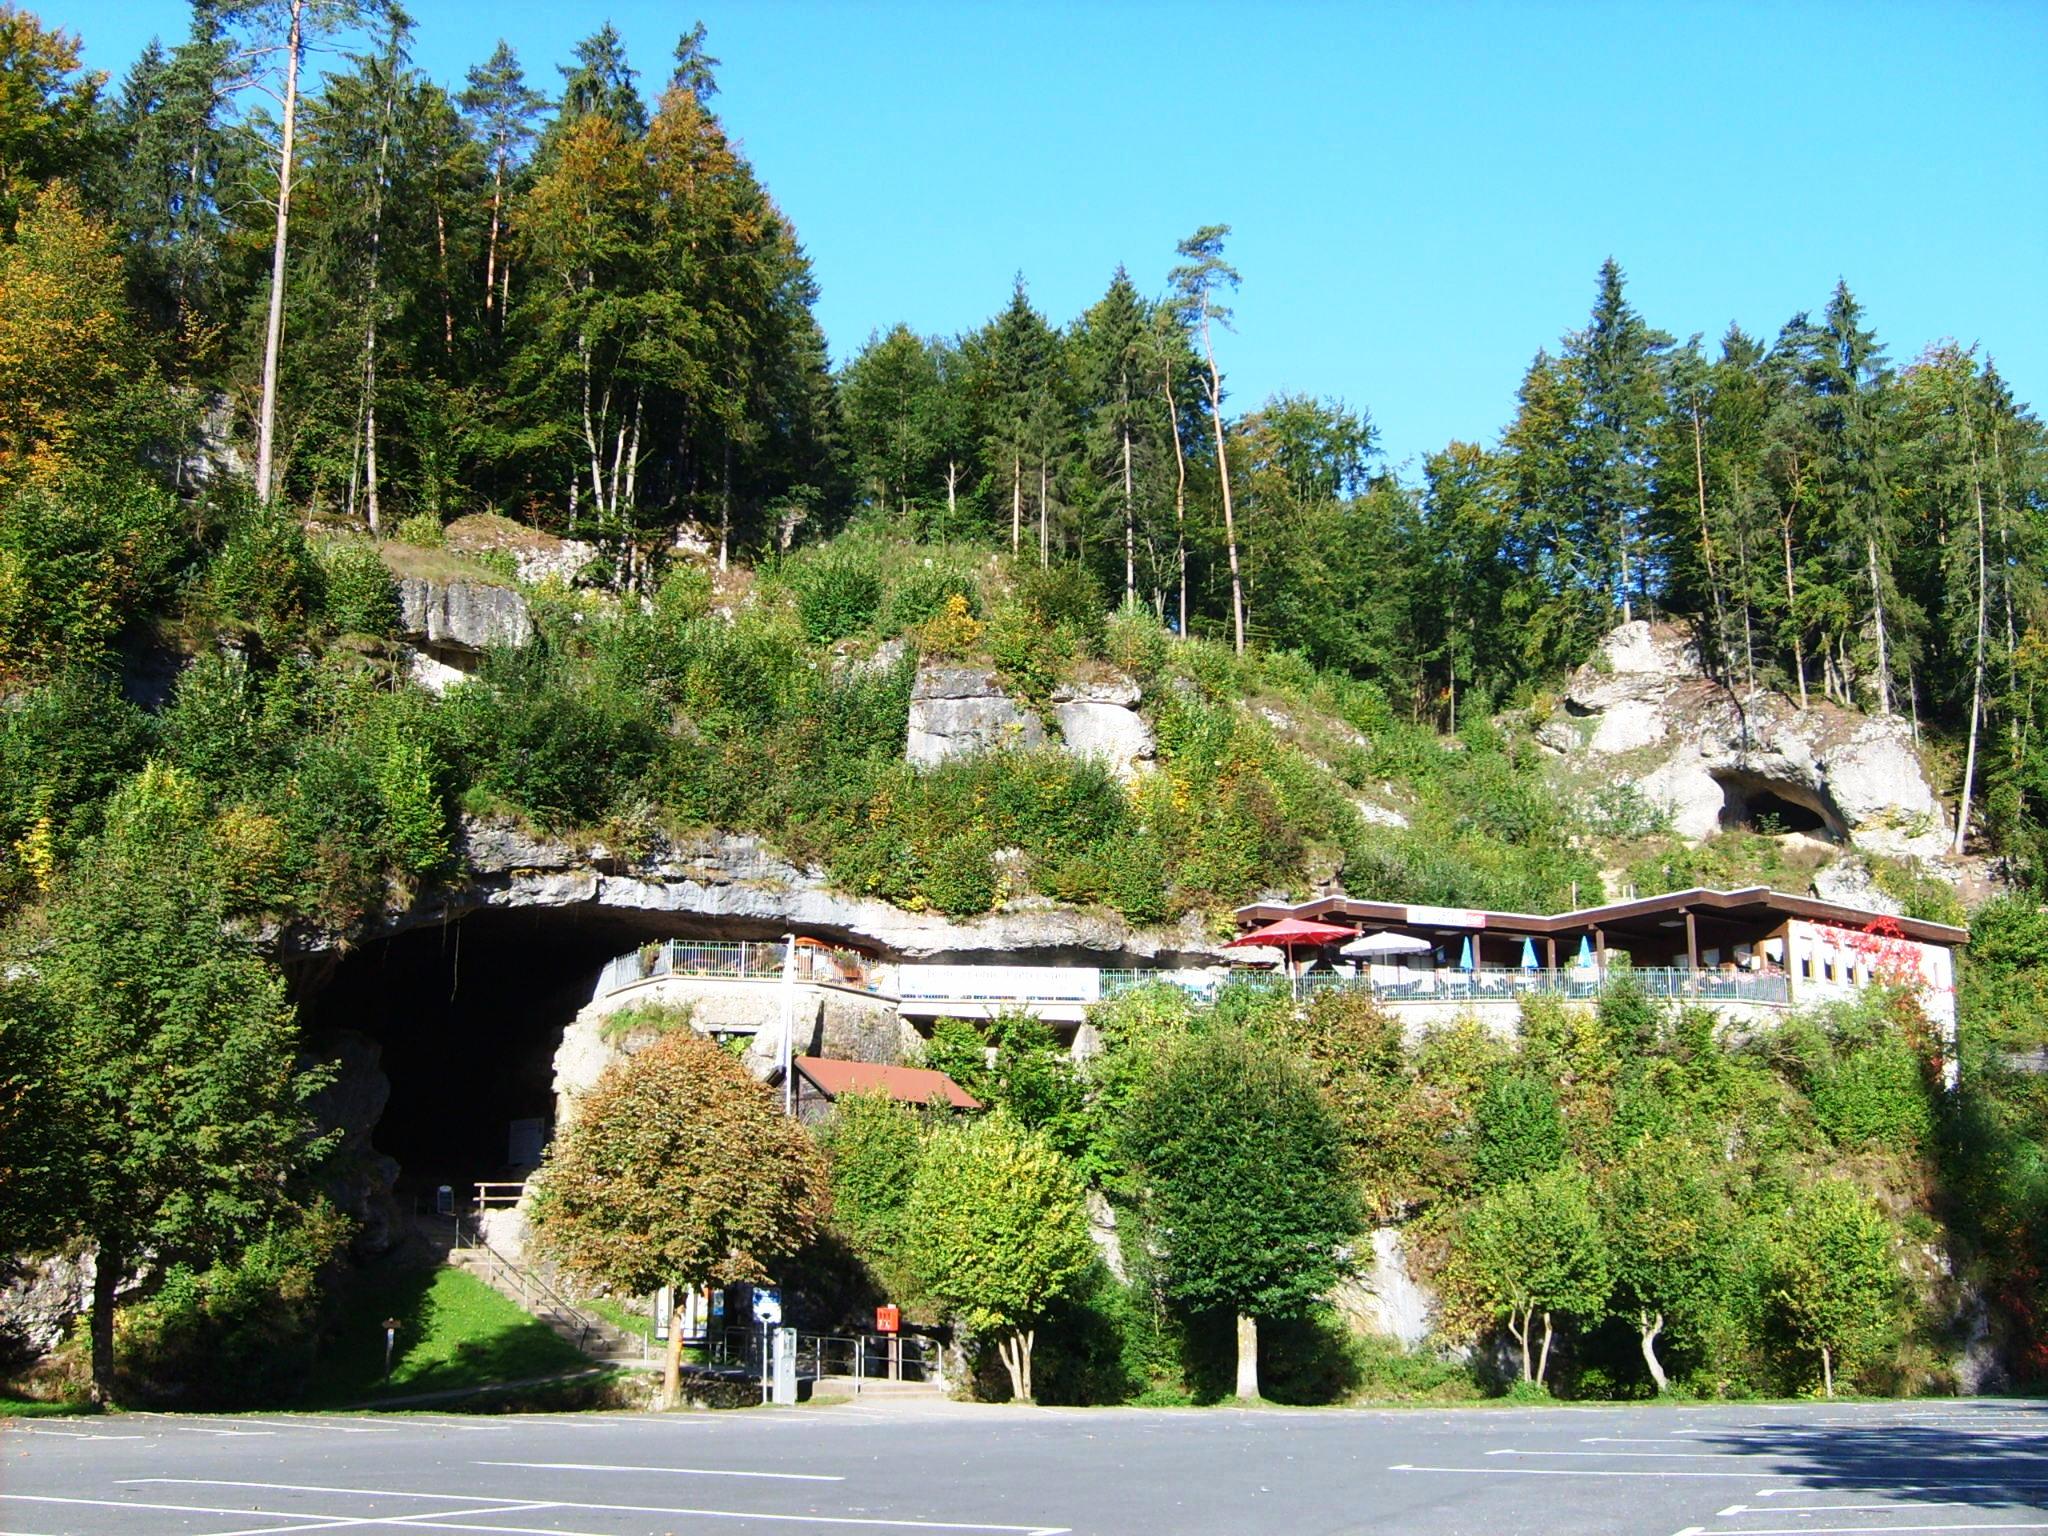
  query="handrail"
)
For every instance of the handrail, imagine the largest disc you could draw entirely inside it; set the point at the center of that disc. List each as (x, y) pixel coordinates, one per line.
(1491, 984)
(738, 960)
(525, 1282)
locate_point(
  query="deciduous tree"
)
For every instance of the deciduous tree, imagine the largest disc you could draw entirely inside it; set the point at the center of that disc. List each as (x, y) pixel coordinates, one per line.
(1244, 1184)
(997, 1227)
(678, 1169)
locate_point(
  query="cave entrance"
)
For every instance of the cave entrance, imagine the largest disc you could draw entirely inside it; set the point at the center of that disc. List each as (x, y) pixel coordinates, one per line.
(1761, 805)
(466, 1019)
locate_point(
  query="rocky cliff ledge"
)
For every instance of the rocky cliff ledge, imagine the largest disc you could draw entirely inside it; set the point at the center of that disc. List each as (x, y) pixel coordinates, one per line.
(746, 888)
(1714, 756)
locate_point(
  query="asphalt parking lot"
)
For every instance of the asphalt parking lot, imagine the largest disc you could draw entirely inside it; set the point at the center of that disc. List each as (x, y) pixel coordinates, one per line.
(1813, 1469)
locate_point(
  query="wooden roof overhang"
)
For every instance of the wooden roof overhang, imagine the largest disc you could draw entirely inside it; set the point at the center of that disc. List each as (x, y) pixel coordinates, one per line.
(1748, 910)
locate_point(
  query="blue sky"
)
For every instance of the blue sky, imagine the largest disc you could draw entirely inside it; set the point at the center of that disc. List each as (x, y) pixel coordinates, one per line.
(1421, 194)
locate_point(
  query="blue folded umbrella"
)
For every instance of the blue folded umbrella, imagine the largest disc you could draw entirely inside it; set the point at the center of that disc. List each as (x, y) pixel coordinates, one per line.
(1528, 954)
(1465, 956)
(1585, 950)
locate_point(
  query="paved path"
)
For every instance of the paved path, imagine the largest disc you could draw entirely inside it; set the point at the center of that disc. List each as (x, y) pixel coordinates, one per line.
(929, 1470)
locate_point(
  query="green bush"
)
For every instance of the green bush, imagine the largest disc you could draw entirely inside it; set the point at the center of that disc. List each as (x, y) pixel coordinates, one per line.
(79, 562)
(838, 591)
(1875, 1095)
(361, 597)
(565, 752)
(64, 747)
(422, 530)
(920, 595)
(1517, 1129)
(266, 579)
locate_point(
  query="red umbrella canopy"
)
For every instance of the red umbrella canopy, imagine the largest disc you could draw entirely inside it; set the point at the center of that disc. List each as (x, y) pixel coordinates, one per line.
(1293, 933)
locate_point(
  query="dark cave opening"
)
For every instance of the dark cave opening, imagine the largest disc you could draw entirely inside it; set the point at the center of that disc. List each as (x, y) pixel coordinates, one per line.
(467, 1018)
(1758, 805)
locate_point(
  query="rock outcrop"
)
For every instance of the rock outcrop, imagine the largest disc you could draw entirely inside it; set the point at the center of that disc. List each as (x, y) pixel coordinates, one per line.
(959, 711)
(1098, 718)
(1712, 757)
(738, 880)
(40, 1298)
(463, 617)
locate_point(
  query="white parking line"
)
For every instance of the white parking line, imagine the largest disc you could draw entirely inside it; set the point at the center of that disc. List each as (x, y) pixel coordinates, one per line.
(1873, 1530)
(1811, 1509)
(598, 1466)
(427, 1519)
(1904, 1454)
(335, 1522)
(1409, 1466)
(68, 1434)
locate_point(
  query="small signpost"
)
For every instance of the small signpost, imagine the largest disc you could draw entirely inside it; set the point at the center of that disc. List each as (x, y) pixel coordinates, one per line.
(889, 1318)
(768, 1313)
(390, 1340)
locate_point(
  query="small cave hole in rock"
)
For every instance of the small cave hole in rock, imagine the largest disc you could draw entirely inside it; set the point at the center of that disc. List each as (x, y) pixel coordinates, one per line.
(460, 1024)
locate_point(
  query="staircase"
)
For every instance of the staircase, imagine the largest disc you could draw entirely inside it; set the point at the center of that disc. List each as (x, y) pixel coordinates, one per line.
(602, 1341)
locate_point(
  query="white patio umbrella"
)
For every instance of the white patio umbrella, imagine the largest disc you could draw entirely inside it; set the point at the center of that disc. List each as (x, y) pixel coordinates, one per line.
(1386, 944)
(1381, 950)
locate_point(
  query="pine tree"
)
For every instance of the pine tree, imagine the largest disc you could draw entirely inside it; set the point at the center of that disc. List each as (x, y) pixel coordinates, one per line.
(1197, 285)
(502, 109)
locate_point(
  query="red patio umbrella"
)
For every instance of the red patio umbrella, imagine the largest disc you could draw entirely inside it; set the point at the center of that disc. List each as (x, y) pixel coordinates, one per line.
(1290, 934)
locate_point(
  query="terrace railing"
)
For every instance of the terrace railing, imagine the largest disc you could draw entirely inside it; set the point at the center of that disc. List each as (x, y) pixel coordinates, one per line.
(744, 960)
(1493, 985)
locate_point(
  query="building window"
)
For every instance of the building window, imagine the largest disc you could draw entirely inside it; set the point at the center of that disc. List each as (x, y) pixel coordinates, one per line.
(1806, 967)
(1827, 969)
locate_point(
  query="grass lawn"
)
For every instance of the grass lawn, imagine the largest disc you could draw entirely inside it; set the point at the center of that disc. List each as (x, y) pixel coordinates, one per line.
(28, 1408)
(453, 1332)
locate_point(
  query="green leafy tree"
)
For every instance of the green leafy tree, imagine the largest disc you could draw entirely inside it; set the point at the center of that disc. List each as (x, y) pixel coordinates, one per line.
(1245, 1185)
(184, 1115)
(1834, 1276)
(48, 109)
(874, 1145)
(997, 1227)
(1530, 1251)
(1669, 1228)
(1517, 1129)
(678, 1169)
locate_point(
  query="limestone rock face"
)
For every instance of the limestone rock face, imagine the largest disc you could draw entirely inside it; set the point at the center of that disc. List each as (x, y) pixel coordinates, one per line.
(1848, 881)
(1099, 719)
(466, 618)
(359, 1178)
(729, 876)
(40, 1298)
(959, 711)
(1720, 759)
(1384, 1298)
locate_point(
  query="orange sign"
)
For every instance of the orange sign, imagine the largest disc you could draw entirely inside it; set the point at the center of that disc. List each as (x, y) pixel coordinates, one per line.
(888, 1319)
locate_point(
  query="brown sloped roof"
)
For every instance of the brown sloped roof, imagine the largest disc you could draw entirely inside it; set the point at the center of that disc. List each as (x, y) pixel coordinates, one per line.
(1754, 902)
(906, 1085)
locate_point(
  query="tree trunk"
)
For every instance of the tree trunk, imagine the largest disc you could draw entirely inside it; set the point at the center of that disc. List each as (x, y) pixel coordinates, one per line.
(1130, 528)
(1223, 475)
(1016, 502)
(1792, 608)
(1977, 665)
(1543, 1360)
(725, 506)
(273, 329)
(1044, 525)
(1884, 670)
(106, 1281)
(1652, 1324)
(1827, 1369)
(672, 1367)
(1247, 1358)
(1015, 1354)
(1699, 470)
(1180, 502)
(491, 245)
(1519, 1332)
(952, 495)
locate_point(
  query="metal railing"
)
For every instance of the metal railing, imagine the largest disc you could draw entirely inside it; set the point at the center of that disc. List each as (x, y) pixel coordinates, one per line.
(500, 1196)
(860, 1357)
(745, 960)
(1484, 986)
(534, 1295)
